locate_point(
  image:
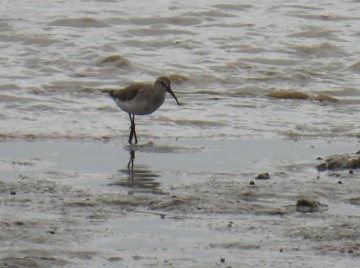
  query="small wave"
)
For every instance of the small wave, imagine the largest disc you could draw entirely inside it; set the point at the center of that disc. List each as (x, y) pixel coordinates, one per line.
(211, 14)
(40, 107)
(206, 92)
(299, 95)
(325, 98)
(116, 61)
(79, 23)
(233, 6)
(177, 78)
(321, 50)
(344, 92)
(314, 34)
(12, 99)
(160, 32)
(287, 94)
(304, 7)
(322, 17)
(26, 40)
(148, 44)
(9, 87)
(181, 21)
(355, 67)
(200, 123)
(271, 61)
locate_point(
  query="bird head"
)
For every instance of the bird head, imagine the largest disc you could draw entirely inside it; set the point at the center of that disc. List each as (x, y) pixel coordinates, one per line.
(164, 82)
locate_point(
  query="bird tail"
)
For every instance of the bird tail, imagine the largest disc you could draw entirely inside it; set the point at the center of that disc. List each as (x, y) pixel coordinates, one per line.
(108, 91)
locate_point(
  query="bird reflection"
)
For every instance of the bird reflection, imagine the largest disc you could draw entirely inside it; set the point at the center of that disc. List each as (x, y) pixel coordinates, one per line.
(139, 178)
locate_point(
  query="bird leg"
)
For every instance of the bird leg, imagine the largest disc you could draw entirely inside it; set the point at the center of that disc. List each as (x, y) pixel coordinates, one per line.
(132, 129)
(136, 141)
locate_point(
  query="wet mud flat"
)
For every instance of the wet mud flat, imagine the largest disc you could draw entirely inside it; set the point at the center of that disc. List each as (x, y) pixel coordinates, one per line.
(179, 203)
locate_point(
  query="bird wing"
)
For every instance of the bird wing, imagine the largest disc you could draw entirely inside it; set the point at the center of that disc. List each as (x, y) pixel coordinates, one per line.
(125, 94)
(130, 92)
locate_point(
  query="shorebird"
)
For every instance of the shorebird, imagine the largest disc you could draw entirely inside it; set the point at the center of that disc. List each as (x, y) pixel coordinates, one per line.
(141, 99)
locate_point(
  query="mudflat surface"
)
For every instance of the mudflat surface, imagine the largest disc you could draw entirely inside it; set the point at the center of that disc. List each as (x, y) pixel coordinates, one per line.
(188, 203)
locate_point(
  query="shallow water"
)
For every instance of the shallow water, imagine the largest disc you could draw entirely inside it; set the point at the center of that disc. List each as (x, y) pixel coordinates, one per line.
(232, 54)
(265, 87)
(191, 155)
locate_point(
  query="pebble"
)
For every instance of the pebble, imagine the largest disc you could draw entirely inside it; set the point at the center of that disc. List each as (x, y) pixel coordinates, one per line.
(307, 205)
(263, 176)
(340, 161)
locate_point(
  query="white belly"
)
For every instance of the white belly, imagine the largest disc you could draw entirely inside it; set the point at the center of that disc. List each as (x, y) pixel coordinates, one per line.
(142, 106)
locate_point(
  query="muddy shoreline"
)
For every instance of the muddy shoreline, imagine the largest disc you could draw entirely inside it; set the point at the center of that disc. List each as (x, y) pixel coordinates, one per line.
(76, 204)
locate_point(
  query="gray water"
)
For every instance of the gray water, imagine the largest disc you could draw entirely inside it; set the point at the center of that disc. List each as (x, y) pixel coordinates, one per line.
(233, 55)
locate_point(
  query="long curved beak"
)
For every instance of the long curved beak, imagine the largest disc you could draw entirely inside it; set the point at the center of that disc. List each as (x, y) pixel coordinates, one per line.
(172, 94)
